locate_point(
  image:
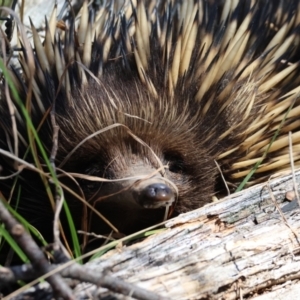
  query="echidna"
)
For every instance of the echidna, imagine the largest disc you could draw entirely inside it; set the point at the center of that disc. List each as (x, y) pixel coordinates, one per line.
(137, 102)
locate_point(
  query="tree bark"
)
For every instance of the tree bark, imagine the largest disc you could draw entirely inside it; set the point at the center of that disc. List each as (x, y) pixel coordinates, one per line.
(244, 246)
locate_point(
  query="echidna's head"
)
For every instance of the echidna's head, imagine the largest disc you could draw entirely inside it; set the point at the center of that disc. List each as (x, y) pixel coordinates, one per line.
(141, 154)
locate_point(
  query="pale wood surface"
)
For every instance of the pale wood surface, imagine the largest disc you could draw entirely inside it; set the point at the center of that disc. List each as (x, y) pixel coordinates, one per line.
(236, 248)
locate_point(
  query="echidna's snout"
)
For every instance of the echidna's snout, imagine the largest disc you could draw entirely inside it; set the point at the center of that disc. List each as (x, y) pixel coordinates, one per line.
(134, 204)
(153, 193)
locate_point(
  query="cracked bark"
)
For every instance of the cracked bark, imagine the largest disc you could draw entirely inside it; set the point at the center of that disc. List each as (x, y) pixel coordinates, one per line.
(245, 246)
(238, 248)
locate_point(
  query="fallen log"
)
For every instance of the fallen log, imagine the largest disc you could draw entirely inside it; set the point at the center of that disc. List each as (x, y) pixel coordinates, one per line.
(245, 246)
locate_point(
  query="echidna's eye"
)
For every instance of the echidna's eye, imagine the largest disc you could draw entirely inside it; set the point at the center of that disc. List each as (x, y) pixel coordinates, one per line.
(175, 162)
(96, 170)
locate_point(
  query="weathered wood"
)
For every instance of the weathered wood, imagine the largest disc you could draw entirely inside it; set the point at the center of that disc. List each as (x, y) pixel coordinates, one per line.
(237, 248)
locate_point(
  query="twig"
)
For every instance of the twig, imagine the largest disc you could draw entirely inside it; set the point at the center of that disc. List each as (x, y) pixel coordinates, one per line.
(33, 252)
(293, 167)
(81, 273)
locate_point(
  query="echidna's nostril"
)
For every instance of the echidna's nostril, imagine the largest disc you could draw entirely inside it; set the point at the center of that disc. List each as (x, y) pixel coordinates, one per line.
(157, 192)
(156, 195)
